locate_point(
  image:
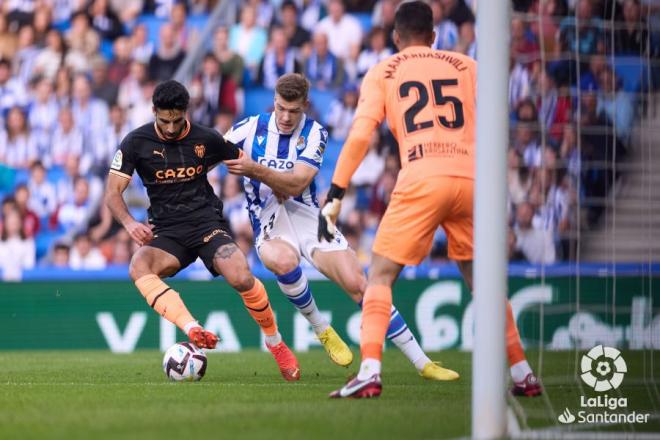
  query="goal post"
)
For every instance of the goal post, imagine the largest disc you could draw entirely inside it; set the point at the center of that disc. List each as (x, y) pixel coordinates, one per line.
(490, 229)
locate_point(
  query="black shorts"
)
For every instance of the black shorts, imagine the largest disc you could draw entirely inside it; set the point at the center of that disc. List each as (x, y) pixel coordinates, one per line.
(187, 241)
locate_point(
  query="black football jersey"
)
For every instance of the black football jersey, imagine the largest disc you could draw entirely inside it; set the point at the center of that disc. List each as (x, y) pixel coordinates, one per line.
(174, 171)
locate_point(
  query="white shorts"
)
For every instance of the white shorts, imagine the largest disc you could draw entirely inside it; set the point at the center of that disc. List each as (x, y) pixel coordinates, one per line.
(297, 224)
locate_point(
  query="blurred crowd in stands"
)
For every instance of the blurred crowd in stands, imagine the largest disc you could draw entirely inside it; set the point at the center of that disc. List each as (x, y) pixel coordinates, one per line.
(77, 75)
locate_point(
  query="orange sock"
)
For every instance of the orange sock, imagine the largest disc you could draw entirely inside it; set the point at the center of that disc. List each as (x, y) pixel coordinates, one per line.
(514, 348)
(257, 304)
(376, 311)
(164, 300)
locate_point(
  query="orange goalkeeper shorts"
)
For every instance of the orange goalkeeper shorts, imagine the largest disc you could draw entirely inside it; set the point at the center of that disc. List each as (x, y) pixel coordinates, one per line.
(417, 208)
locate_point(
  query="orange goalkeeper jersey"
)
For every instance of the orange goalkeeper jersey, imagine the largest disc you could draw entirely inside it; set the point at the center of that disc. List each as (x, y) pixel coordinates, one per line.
(428, 97)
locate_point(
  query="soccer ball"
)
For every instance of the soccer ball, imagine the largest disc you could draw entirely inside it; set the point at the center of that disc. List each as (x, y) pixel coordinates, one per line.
(184, 361)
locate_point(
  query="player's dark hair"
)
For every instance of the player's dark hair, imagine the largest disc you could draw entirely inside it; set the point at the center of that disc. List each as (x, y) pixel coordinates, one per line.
(171, 95)
(292, 87)
(414, 20)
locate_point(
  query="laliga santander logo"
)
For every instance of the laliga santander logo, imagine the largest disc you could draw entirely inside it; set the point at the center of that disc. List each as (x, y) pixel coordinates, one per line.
(603, 368)
(566, 417)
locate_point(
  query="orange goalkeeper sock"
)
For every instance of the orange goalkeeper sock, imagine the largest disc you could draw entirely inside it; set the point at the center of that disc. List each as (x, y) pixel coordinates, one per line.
(376, 311)
(164, 300)
(257, 304)
(514, 348)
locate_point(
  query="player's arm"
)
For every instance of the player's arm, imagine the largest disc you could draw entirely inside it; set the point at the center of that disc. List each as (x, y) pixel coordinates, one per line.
(121, 170)
(289, 184)
(221, 148)
(368, 116)
(227, 151)
(114, 189)
(293, 183)
(230, 145)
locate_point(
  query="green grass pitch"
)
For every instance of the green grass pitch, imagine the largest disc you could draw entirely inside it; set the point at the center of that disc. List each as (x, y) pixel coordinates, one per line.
(98, 395)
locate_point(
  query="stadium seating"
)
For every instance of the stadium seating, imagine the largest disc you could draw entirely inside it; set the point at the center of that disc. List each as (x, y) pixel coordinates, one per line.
(632, 72)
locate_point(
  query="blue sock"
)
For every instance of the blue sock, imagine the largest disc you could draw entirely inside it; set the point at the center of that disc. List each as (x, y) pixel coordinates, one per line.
(399, 333)
(296, 288)
(397, 324)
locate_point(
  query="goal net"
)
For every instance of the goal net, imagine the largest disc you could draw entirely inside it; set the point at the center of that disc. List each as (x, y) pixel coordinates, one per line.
(584, 161)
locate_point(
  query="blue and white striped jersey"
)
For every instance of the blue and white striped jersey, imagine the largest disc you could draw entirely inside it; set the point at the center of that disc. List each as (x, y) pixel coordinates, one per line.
(259, 137)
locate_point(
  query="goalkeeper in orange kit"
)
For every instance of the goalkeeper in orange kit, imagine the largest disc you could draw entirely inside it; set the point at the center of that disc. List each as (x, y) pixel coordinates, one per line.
(428, 99)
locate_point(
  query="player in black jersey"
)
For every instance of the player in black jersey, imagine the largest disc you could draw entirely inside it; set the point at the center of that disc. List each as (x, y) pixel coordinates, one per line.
(172, 157)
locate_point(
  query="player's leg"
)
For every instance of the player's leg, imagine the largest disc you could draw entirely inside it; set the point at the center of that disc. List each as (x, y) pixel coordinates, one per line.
(344, 269)
(281, 258)
(459, 229)
(404, 237)
(162, 258)
(376, 311)
(525, 382)
(230, 262)
(515, 352)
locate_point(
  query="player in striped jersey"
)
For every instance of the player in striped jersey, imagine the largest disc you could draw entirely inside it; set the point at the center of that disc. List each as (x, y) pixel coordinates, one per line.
(283, 153)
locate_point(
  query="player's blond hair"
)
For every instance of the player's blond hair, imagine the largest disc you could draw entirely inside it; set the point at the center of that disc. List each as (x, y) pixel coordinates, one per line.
(292, 87)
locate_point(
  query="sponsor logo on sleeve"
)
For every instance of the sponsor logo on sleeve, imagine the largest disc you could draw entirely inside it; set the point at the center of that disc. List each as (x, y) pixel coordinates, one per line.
(117, 161)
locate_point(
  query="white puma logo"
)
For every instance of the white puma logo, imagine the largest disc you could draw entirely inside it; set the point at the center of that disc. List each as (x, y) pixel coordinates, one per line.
(160, 153)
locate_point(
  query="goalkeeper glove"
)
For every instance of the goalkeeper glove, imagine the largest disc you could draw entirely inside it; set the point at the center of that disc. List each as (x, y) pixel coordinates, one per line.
(329, 213)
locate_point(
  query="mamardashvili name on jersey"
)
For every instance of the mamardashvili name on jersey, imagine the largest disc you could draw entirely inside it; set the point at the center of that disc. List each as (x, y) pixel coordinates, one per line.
(259, 137)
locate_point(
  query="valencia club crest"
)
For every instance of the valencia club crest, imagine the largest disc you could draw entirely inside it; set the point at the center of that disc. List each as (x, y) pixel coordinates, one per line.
(200, 149)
